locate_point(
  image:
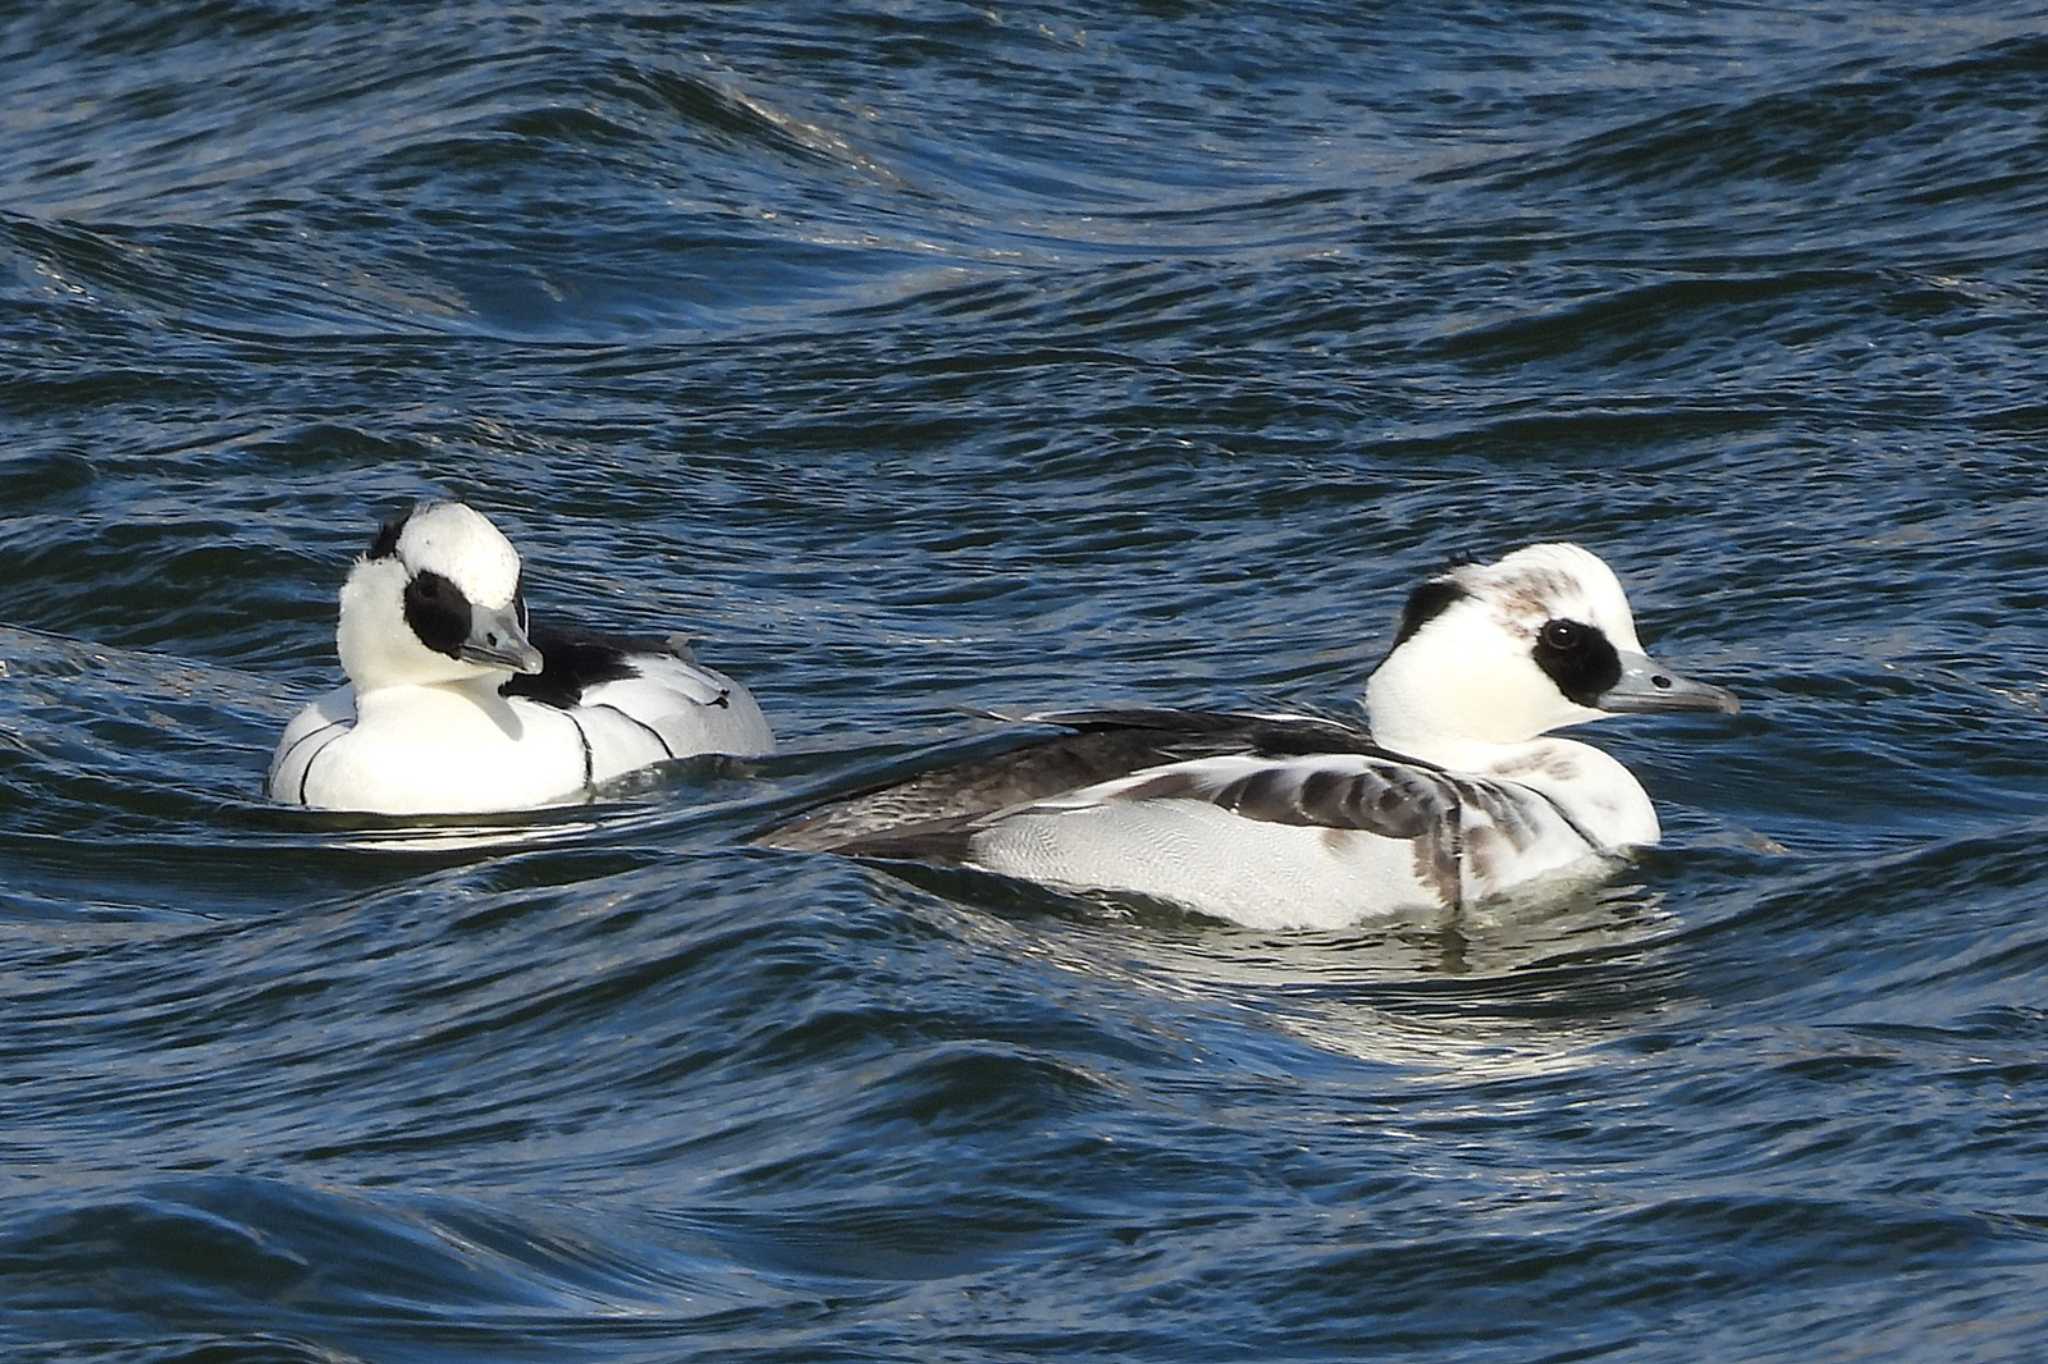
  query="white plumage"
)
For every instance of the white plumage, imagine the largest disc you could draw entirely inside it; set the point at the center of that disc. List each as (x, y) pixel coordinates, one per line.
(453, 707)
(1455, 795)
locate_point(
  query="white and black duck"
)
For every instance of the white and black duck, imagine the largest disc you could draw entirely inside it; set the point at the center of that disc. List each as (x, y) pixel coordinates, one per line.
(453, 706)
(1452, 796)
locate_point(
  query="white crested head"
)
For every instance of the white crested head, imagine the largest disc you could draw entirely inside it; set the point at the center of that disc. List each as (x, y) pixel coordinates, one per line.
(459, 542)
(436, 599)
(1500, 653)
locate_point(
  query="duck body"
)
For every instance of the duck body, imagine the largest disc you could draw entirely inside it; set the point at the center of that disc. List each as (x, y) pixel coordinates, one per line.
(454, 708)
(467, 748)
(1454, 795)
(1274, 821)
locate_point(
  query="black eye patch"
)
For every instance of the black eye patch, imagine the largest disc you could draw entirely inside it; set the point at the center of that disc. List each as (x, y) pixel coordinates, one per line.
(437, 612)
(1578, 658)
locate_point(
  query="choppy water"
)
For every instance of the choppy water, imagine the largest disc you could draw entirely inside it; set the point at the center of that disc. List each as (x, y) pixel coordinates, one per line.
(928, 357)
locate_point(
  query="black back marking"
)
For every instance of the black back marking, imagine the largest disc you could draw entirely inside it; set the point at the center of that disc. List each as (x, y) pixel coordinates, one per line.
(284, 759)
(583, 737)
(573, 661)
(437, 612)
(1203, 733)
(385, 545)
(1579, 658)
(306, 772)
(652, 732)
(1557, 808)
(940, 807)
(1428, 601)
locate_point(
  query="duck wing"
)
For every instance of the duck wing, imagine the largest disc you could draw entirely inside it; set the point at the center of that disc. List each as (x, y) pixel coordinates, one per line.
(1094, 747)
(639, 699)
(573, 661)
(1385, 797)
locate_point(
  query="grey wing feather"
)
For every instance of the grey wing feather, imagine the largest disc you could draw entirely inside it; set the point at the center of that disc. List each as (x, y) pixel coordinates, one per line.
(1389, 799)
(945, 804)
(964, 792)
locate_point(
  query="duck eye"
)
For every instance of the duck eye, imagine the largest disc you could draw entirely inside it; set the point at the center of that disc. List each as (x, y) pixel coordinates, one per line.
(1562, 634)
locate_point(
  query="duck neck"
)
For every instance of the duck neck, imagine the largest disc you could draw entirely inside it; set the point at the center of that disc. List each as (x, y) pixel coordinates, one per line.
(481, 689)
(1456, 753)
(1407, 716)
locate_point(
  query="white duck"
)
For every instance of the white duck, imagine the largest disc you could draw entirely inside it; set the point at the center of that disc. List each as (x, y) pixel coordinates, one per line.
(453, 707)
(1280, 821)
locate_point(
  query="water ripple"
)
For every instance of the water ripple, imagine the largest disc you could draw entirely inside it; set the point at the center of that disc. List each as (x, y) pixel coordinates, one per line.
(926, 363)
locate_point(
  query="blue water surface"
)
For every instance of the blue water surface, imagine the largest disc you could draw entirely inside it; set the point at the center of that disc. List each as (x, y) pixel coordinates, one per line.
(920, 359)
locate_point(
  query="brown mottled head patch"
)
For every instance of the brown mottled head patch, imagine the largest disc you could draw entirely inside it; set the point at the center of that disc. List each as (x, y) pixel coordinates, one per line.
(1528, 597)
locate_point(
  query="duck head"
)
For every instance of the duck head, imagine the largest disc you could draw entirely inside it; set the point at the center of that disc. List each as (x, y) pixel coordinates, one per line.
(435, 600)
(1499, 653)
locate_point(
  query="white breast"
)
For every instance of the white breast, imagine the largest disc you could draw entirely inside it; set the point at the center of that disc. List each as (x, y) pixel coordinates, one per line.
(427, 750)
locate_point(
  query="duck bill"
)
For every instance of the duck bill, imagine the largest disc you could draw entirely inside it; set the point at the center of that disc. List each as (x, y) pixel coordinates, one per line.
(496, 641)
(1647, 687)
